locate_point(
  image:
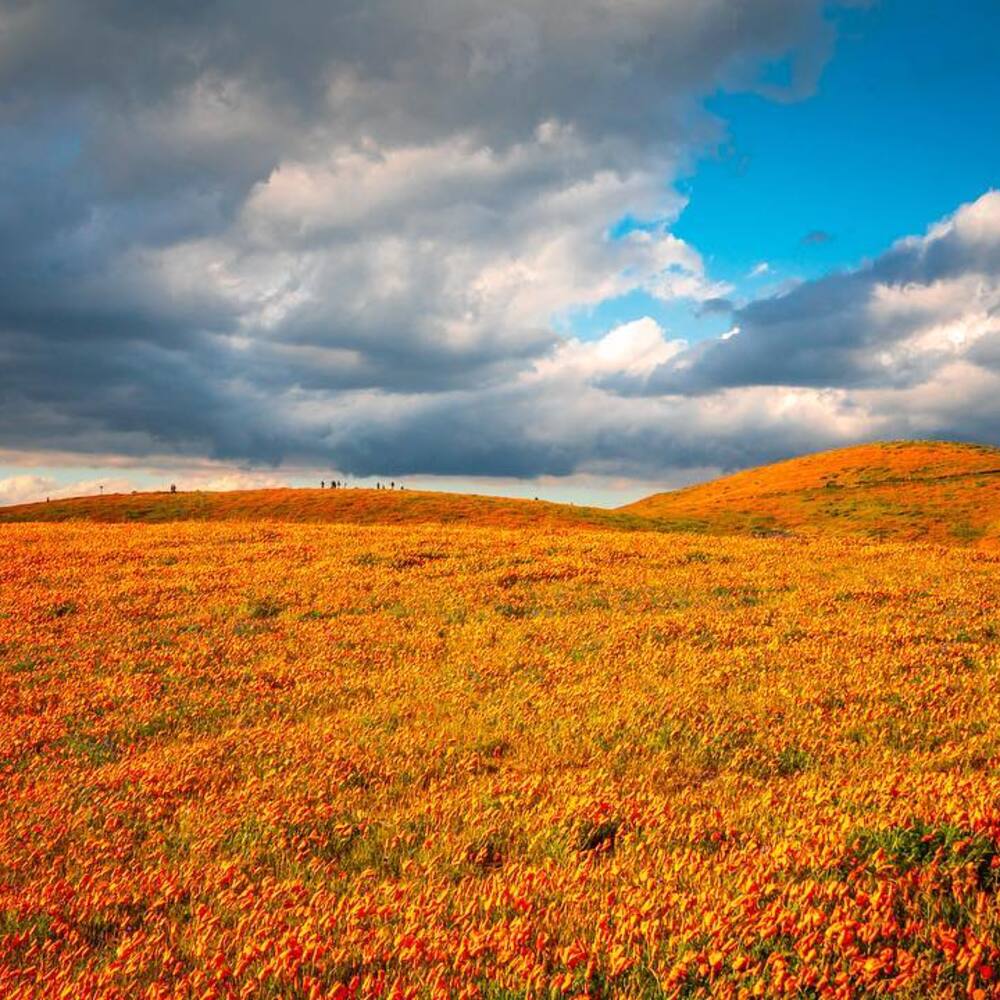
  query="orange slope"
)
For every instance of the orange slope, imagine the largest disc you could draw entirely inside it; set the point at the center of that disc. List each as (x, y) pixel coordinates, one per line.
(356, 506)
(905, 490)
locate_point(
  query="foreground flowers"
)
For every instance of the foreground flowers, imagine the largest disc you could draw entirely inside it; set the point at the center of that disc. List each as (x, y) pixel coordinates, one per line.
(265, 760)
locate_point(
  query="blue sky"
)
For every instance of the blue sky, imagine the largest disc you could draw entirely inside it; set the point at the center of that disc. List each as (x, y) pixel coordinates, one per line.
(902, 127)
(545, 248)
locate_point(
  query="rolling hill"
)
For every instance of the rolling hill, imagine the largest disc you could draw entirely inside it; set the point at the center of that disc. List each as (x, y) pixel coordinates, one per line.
(398, 756)
(900, 490)
(351, 506)
(904, 490)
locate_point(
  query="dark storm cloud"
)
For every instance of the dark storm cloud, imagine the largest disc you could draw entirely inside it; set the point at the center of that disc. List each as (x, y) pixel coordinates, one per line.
(813, 336)
(409, 69)
(715, 306)
(516, 431)
(337, 230)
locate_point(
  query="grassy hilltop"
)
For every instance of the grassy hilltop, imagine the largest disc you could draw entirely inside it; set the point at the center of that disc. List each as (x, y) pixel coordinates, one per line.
(912, 491)
(347, 506)
(907, 490)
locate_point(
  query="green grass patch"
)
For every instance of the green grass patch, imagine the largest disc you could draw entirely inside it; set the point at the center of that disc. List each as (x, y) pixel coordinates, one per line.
(920, 843)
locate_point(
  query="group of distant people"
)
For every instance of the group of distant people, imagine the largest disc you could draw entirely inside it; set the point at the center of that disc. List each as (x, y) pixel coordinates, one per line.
(339, 484)
(335, 484)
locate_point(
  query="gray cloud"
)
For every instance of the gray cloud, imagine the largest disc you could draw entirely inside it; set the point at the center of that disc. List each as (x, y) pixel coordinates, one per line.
(893, 323)
(338, 232)
(716, 306)
(816, 237)
(402, 71)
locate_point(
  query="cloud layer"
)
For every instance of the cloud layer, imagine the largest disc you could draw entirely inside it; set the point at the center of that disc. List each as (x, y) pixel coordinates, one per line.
(339, 233)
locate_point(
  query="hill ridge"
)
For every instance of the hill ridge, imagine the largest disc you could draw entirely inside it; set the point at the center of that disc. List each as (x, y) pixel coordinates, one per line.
(908, 490)
(351, 505)
(942, 492)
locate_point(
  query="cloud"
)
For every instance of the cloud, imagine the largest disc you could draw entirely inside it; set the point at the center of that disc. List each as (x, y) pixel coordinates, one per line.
(17, 489)
(816, 237)
(27, 488)
(635, 348)
(219, 217)
(338, 233)
(894, 323)
(716, 306)
(561, 424)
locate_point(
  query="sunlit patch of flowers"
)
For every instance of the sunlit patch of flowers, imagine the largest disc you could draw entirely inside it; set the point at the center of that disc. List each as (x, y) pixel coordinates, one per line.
(268, 760)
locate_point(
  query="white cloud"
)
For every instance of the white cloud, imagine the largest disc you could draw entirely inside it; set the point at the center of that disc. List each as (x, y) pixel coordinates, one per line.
(28, 488)
(634, 348)
(894, 322)
(453, 249)
(19, 489)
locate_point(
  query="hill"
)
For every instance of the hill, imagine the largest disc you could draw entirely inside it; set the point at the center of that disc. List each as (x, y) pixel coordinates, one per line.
(360, 762)
(900, 490)
(398, 757)
(351, 506)
(939, 492)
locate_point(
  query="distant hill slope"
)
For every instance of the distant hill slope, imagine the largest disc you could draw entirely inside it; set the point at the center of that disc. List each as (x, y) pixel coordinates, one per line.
(355, 506)
(905, 490)
(902, 490)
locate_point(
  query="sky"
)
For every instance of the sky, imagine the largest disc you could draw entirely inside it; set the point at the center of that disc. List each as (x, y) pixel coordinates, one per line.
(578, 249)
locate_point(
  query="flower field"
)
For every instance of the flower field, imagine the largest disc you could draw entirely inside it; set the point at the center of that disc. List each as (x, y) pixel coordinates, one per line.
(274, 760)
